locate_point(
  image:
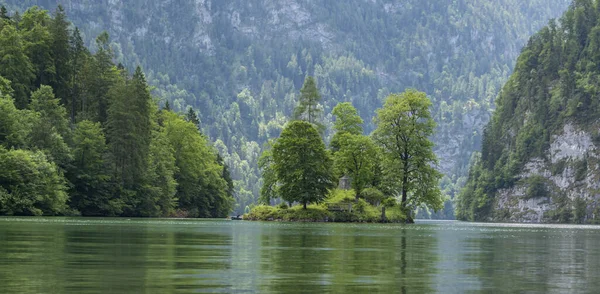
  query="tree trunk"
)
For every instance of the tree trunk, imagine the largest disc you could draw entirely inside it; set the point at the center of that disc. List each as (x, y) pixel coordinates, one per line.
(304, 205)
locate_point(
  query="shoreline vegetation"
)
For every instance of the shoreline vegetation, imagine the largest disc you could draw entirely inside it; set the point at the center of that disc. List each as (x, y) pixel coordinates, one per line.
(339, 207)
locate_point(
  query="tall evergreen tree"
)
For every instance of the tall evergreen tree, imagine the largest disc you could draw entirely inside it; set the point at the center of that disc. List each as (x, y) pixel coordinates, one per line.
(34, 28)
(3, 14)
(308, 104)
(192, 117)
(101, 75)
(15, 65)
(50, 130)
(129, 129)
(61, 54)
(78, 63)
(91, 194)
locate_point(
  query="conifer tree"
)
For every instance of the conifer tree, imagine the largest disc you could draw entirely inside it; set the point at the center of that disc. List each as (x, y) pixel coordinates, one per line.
(308, 105)
(61, 54)
(15, 65)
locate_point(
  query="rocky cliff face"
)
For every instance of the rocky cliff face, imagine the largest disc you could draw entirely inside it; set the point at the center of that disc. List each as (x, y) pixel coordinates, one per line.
(569, 179)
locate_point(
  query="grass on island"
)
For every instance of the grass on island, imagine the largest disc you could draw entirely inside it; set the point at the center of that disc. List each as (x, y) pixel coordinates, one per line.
(362, 211)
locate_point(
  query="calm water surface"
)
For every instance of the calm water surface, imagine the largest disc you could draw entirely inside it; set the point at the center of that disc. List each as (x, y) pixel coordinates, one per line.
(77, 255)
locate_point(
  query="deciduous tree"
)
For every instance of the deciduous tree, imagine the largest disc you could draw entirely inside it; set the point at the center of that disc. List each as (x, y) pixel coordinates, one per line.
(404, 126)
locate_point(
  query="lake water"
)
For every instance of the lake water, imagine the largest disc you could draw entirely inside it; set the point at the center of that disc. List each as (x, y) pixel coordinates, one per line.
(78, 255)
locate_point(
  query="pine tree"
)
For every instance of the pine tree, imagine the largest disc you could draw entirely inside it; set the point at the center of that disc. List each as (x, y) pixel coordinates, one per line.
(101, 76)
(192, 117)
(34, 28)
(308, 104)
(78, 62)
(61, 54)
(129, 129)
(15, 65)
(3, 14)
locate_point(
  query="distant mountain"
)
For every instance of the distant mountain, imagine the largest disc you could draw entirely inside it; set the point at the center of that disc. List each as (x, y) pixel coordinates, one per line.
(540, 159)
(242, 63)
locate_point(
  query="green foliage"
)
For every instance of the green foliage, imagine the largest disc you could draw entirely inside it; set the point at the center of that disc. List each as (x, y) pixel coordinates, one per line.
(269, 189)
(347, 119)
(356, 158)
(201, 189)
(50, 127)
(536, 187)
(372, 195)
(404, 126)
(15, 124)
(563, 212)
(15, 65)
(340, 196)
(263, 212)
(91, 192)
(160, 185)
(581, 169)
(31, 185)
(302, 165)
(308, 104)
(579, 210)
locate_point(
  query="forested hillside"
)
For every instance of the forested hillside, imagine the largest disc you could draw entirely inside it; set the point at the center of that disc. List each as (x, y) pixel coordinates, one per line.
(539, 160)
(240, 64)
(80, 135)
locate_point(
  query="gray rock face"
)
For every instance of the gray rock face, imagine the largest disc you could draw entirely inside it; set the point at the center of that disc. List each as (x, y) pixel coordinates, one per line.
(571, 173)
(572, 144)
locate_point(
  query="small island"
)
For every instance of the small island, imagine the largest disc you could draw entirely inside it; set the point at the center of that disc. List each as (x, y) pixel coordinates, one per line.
(383, 177)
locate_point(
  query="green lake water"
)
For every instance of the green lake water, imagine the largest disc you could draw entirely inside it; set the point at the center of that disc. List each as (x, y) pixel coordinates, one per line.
(79, 255)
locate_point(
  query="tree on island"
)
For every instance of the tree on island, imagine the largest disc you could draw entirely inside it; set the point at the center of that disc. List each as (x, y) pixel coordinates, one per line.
(404, 126)
(354, 153)
(308, 105)
(301, 164)
(356, 158)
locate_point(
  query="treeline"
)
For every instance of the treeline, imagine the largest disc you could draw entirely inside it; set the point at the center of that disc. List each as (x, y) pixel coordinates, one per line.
(243, 73)
(395, 164)
(556, 81)
(81, 135)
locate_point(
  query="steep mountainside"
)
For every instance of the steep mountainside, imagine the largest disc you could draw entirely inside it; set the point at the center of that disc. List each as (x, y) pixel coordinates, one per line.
(540, 159)
(241, 63)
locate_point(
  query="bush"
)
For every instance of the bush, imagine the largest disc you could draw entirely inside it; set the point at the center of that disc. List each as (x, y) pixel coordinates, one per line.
(372, 195)
(362, 211)
(395, 214)
(581, 169)
(537, 187)
(313, 213)
(580, 210)
(340, 196)
(389, 202)
(262, 212)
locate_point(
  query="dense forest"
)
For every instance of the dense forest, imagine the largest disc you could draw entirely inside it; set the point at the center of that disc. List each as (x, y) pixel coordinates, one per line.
(80, 135)
(539, 148)
(241, 64)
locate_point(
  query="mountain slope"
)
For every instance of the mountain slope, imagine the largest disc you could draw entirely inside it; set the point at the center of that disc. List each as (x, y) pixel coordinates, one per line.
(539, 160)
(241, 63)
